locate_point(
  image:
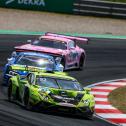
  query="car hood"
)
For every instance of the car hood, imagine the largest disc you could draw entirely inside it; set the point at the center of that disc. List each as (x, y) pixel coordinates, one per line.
(29, 47)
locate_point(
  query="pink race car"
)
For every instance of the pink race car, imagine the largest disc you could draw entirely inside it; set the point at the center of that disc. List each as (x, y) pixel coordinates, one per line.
(57, 45)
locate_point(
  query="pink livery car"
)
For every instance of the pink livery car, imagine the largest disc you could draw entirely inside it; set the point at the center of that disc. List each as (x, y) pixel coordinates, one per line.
(57, 45)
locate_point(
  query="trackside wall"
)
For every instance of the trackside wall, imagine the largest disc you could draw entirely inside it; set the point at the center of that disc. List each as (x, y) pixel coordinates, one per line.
(62, 6)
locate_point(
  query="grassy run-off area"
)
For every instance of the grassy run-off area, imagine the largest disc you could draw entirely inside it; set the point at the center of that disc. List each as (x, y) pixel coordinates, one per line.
(118, 98)
(123, 1)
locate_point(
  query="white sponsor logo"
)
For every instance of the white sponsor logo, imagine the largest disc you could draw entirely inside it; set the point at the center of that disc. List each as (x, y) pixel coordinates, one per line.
(9, 1)
(32, 2)
(28, 2)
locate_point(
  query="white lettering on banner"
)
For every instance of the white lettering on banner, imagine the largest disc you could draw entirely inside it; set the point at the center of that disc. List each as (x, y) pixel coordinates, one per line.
(32, 2)
(9, 1)
(28, 2)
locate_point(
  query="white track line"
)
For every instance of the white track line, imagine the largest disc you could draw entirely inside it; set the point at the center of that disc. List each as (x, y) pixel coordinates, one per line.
(101, 99)
(117, 83)
(99, 93)
(105, 87)
(112, 115)
(99, 106)
(123, 124)
(106, 82)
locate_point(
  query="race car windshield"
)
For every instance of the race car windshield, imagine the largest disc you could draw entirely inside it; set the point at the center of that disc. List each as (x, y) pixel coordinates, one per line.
(50, 44)
(34, 61)
(59, 83)
(69, 85)
(47, 82)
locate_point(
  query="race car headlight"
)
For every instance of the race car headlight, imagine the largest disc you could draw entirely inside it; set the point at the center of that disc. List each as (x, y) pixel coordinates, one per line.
(44, 90)
(44, 97)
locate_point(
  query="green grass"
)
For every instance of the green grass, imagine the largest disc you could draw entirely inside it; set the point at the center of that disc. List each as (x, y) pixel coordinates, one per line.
(118, 98)
(123, 1)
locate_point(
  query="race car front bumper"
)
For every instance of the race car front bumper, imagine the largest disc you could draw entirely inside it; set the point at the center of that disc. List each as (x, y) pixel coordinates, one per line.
(46, 106)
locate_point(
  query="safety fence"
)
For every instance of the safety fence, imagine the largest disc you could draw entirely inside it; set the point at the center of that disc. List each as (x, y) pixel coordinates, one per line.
(100, 8)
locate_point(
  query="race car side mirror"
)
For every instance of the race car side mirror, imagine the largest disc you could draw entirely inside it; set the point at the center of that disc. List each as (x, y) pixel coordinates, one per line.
(61, 68)
(31, 78)
(10, 60)
(87, 90)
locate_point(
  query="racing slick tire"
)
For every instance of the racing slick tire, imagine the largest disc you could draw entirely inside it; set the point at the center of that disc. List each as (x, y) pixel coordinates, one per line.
(10, 96)
(26, 102)
(81, 62)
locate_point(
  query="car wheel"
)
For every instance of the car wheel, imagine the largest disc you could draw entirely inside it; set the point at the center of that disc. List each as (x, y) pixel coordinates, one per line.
(26, 99)
(81, 62)
(10, 96)
(17, 94)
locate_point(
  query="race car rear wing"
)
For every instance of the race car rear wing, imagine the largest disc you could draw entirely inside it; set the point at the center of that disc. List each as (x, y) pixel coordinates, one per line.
(74, 38)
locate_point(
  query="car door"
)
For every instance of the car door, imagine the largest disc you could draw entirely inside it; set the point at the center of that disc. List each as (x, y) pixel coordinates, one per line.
(72, 53)
(25, 82)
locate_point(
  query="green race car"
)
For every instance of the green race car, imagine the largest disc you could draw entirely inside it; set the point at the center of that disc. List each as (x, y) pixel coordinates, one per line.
(51, 91)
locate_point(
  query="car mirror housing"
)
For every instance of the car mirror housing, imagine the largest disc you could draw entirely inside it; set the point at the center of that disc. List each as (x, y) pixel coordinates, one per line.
(9, 60)
(31, 78)
(61, 67)
(87, 90)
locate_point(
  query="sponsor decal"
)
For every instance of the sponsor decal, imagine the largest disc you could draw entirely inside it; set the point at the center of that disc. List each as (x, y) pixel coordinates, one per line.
(27, 2)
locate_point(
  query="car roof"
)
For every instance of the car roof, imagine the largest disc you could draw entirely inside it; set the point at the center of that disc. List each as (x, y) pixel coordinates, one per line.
(60, 39)
(59, 75)
(36, 54)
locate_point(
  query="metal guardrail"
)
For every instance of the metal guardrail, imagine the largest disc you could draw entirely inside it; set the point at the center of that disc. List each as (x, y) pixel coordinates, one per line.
(99, 8)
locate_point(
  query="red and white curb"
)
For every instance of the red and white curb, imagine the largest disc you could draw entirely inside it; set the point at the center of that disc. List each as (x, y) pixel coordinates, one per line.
(103, 108)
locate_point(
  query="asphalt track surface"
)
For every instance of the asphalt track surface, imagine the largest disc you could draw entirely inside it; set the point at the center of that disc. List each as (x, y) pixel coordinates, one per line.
(105, 61)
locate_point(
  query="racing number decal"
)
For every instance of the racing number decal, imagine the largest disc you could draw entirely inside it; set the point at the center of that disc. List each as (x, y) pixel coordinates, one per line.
(73, 55)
